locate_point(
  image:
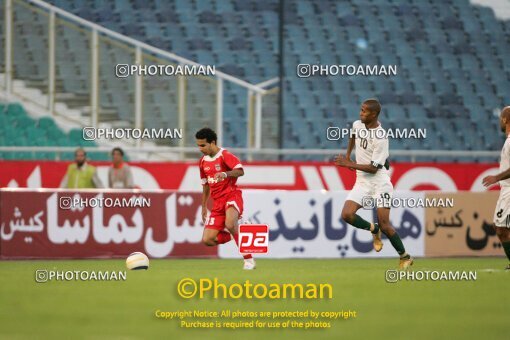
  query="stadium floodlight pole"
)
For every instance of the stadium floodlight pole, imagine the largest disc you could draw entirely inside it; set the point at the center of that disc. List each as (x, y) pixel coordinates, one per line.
(51, 63)
(8, 48)
(219, 110)
(94, 99)
(138, 94)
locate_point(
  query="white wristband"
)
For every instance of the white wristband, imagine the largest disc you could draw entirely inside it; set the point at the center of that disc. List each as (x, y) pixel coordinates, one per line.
(225, 174)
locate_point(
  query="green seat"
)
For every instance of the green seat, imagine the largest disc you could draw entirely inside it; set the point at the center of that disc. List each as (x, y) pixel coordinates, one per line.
(39, 141)
(87, 143)
(46, 123)
(18, 141)
(76, 135)
(10, 134)
(52, 142)
(99, 156)
(34, 133)
(12, 120)
(67, 156)
(25, 122)
(16, 110)
(55, 133)
(51, 156)
(19, 129)
(45, 155)
(39, 155)
(63, 142)
(23, 155)
(8, 155)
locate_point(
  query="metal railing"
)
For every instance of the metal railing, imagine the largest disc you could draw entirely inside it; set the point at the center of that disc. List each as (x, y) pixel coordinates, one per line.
(99, 49)
(181, 96)
(248, 152)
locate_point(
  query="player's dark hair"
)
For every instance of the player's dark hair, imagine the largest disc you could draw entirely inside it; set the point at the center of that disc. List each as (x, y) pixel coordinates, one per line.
(119, 150)
(207, 134)
(373, 105)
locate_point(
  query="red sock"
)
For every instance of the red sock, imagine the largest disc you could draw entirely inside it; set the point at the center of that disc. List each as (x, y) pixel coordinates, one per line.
(223, 237)
(245, 256)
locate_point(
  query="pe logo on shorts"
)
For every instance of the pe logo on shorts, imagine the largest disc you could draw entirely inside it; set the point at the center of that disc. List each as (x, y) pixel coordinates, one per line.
(253, 238)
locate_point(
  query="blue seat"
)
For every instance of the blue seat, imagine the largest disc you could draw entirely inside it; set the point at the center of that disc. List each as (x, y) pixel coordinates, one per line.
(394, 112)
(450, 59)
(86, 13)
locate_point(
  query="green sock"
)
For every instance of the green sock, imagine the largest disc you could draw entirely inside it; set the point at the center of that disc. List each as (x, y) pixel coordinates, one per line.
(376, 228)
(506, 246)
(358, 222)
(396, 242)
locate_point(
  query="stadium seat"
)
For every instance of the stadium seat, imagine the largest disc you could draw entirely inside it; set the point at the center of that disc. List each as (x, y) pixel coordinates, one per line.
(449, 58)
(19, 129)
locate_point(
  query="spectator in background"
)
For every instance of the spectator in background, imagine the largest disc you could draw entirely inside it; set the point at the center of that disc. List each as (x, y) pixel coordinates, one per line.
(119, 174)
(80, 174)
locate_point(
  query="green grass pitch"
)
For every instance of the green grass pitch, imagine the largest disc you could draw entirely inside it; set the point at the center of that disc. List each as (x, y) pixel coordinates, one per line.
(125, 309)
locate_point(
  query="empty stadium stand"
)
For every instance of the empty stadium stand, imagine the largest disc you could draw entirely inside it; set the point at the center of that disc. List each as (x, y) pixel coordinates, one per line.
(239, 37)
(452, 75)
(18, 129)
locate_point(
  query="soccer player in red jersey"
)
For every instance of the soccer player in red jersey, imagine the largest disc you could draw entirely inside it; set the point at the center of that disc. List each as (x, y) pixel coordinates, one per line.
(219, 170)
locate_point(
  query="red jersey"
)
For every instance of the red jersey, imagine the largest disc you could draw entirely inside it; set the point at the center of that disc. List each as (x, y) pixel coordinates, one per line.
(221, 162)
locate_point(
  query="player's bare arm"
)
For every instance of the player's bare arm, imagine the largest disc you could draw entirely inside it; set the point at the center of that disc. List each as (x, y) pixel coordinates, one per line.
(350, 146)
(347, 163)
(205, 197)
(490, 180)
(220, 176)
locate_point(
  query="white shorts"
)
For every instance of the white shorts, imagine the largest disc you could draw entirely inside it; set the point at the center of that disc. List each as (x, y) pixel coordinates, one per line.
(372, 195)
(502, 212)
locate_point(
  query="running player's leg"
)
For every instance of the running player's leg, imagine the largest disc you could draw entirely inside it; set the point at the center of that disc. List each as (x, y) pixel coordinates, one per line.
(232, 217)
(213, 237)
(352, 204)
(383, 216)
(209, 237)
(502, 220)
(213, 232)
(349, 215)
(504, 237)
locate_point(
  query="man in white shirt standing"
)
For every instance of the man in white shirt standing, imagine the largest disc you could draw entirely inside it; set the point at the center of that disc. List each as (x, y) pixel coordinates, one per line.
(372, 179)
(502, 213)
